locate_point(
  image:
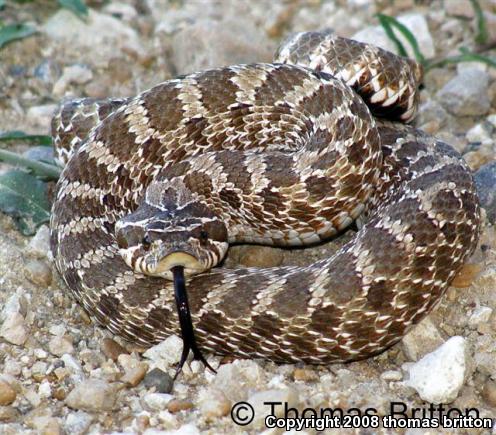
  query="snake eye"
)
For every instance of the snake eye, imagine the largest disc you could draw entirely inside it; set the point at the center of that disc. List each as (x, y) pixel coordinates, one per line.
(146, 242)
(203, 236)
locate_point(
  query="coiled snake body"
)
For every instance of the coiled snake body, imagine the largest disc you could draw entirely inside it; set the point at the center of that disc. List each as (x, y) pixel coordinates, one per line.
(285, 154)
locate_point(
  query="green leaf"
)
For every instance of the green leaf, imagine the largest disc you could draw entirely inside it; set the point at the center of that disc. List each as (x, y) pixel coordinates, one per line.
(45, 170)
(21, 136)
(24, 198)
(11, 32)
(78, 7)
(388, 23)
(2, 4)
(482, 34)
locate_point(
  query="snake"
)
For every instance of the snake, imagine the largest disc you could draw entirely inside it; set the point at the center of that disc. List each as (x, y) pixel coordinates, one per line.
(156, 187)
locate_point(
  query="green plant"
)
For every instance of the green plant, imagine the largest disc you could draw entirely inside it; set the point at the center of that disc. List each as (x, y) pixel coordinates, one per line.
(12, 32)
(390, 23)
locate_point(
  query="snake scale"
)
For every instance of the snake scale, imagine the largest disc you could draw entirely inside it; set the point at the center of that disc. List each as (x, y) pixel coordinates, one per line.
(288, 154)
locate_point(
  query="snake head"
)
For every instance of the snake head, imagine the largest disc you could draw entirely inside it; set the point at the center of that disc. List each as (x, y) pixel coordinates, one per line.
(154, 240)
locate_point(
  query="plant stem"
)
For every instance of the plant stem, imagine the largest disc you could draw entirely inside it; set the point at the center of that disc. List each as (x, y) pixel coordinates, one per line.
(39, 168)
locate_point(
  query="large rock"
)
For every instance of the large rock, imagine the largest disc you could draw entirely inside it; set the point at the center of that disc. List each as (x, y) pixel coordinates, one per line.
(416, 23)
(439, 376)
(211, 44)
(466, 93)
(99, 34)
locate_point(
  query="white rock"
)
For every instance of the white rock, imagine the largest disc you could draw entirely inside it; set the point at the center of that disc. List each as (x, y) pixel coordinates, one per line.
(41, 115)
(39, 245)
(207, 44)
(479, 316)
(391, 375)
(58, 329)
(213, 404)
(234, 379)
(74, 367)
(77, 423)
(479, 133)
(416, 23)
(166, 353)
(33, 397)
(92, 395)
(45, 390)
(17, 303)
(439, 376)
(100, 34)
(74, 74)
(60, 345)
(14, 329)
(157, 401)
(40, 353)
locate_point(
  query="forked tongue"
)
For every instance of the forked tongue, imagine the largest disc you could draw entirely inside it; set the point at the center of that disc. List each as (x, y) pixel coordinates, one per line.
(187, 331)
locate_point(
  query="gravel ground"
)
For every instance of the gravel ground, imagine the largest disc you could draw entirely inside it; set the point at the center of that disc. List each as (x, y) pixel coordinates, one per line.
(61, 374)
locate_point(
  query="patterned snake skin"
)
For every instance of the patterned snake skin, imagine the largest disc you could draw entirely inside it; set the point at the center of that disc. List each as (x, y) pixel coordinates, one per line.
(284, 154)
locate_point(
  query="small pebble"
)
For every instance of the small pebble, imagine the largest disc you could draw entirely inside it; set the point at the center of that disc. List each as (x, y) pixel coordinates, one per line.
(38, 272)
(41, 115)
(134, 376)
(92, 395)
(8, 414)
(158, 379)
(479, 316)
(39, 245)
(305, 375)
(392, 375)
(14, 329)
(111, 349)
(214, 405)
(77, 423)
(61, 345)
(7, 393)
(423, 338)
(176, 405)
(166, 353)
(157, 401)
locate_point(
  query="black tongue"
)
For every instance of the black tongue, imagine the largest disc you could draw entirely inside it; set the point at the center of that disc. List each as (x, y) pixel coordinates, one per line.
(187, 331)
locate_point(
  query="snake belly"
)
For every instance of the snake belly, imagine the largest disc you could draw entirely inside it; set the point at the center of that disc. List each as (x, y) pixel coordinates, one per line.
(289, 154)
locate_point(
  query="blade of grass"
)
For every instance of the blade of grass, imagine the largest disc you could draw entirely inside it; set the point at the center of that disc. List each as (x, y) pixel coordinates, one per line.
(388, 23)
(15, 135)
(465, 56)
(482, 34)
(385, 21)
(11, 32)
(38, 168)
